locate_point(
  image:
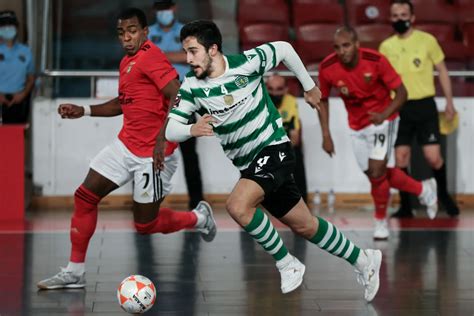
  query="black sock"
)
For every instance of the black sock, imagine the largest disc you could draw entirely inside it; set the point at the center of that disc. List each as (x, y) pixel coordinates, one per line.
(405, 202)
(440, 176)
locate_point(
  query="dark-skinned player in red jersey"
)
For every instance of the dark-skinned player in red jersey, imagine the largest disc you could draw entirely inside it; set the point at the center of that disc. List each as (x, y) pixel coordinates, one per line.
(364, 79)
(147, 84)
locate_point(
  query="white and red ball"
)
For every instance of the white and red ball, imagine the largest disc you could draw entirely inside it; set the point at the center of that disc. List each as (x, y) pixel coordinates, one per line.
(136, 294)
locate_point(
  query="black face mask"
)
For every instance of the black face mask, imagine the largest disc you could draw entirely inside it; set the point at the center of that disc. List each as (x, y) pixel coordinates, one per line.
(401, 26)
(276, 99)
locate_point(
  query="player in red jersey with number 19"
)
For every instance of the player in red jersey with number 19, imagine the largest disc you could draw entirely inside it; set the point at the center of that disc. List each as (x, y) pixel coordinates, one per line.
(365, 79)
(147, 84)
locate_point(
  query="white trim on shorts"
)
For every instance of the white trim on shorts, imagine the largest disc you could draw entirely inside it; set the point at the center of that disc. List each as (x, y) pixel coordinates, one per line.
(119, 165)
(367, 147)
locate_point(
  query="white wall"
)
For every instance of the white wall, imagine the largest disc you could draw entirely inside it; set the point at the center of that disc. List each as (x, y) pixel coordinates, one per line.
(62, 150)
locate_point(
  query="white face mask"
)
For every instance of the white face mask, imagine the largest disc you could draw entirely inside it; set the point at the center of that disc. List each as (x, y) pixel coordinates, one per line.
(8, 32)
(165, 17)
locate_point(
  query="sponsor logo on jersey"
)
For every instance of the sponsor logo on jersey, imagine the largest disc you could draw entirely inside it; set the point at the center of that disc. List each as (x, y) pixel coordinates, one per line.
(225, 110)
(241, 81)
(177, 100)
(282, 155)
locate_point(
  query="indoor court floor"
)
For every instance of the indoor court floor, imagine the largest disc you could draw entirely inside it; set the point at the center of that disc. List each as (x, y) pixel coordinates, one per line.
(427, 269)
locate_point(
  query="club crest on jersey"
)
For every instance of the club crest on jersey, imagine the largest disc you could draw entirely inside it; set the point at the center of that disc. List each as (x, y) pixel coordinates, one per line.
(367, 77)
(228, 99)
(130, 66)
(417, 62)
(241, 81)
(343, 89)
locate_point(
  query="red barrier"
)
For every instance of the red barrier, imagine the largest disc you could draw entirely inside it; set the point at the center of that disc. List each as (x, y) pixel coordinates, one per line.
(12, 172)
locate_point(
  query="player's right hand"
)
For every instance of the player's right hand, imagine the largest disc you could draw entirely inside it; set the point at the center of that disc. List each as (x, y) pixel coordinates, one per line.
(70, 111)
(328, 146)
(203, 126)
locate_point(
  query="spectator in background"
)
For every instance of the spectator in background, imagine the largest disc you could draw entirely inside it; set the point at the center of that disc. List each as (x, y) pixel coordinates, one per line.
(413, 54)
(16, 72)
(165, 34)
(288, 108)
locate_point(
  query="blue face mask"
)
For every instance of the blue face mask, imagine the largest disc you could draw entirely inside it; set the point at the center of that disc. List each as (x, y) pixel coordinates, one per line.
(8, 32)
(165, 17)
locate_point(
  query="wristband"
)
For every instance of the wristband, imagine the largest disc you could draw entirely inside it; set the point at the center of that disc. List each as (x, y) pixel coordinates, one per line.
(87, 110)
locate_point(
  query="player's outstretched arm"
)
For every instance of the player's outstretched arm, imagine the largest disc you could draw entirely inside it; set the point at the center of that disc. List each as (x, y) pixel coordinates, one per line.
(72, 111)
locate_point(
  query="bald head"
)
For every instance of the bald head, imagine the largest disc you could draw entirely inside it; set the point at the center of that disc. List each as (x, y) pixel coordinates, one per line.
(347, 31)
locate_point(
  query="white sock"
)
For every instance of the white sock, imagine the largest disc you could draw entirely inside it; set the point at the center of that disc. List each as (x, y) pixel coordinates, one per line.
(201, 219)
(76, 268)
(361, 261)
(283, 262)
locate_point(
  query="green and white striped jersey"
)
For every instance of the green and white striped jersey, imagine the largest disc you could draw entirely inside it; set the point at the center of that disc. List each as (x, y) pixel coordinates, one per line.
(247, 120)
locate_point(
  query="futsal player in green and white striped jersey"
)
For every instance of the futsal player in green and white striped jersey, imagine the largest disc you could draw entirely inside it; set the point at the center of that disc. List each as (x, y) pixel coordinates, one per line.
(230, 94)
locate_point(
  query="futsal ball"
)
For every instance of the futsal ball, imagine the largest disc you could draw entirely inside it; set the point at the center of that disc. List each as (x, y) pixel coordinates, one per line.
(136, 294)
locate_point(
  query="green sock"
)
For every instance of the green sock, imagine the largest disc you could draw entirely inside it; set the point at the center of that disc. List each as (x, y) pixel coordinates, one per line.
(329, 238)
(262, 230)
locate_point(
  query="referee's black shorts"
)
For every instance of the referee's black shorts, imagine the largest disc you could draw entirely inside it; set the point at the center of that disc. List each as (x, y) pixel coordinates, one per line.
(418, 118)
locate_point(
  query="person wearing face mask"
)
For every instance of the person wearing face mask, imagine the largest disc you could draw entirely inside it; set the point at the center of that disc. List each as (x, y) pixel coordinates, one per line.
(288, 108)
(165, 34)
(16, 72)
(414, 54)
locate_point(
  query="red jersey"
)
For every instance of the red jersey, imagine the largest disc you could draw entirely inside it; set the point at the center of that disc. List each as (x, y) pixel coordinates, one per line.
(365, 88)
(144, 106)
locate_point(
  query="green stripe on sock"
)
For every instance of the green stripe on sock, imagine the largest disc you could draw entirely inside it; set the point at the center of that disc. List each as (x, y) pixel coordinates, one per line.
(256, 221)
(321, 234)
(322, 230)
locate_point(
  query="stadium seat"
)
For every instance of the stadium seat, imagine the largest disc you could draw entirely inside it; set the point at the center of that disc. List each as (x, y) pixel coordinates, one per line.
(442, 32)
(368, 11)
(317, 11)
(260, 11)
(468, 37)
(429, 11)
(315, 41)
(371, 35)
(255, 34)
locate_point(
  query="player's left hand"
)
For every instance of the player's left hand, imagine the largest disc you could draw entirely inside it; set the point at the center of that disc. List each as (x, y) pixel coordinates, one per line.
(376, 118)
(450, 111)
(313, 97)
(159, 153)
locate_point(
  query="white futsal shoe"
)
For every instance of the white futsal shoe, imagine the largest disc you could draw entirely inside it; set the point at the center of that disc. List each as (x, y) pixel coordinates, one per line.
(381, 231)
(429, 197)
(369, 276)
(291, 273)
(63, 280)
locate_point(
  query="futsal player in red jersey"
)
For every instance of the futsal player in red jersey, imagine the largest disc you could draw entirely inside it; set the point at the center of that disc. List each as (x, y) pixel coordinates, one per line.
(364, 79)
(147, 83)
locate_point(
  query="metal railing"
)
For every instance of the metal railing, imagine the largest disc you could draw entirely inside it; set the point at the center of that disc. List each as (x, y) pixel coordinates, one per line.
(94, 75)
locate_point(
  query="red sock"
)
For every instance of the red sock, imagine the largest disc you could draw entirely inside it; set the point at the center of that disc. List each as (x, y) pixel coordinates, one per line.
(168, 221)
(83, 222)
(403, 182)
(380, 193)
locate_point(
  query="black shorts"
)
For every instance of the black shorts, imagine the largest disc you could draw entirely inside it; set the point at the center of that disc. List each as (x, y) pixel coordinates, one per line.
(272, 169)
(419, 118)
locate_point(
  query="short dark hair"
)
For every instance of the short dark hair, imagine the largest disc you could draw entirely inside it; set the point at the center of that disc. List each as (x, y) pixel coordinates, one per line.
(349, 30)
(134, 12)
(408, 2)
(206, 32)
